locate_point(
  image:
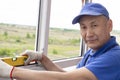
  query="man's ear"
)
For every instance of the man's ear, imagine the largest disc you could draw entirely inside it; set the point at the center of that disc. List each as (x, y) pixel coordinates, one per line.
(110, 25)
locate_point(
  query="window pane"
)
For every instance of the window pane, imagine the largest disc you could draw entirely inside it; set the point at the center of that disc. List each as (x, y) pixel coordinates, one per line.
(64, 38)
(18, 21)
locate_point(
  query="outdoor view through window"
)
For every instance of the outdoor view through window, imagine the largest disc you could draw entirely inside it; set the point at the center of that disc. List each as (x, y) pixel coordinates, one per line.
(18, 21)
(64, 38)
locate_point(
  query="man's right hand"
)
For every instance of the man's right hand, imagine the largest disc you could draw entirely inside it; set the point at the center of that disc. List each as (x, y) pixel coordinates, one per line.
(32, 56)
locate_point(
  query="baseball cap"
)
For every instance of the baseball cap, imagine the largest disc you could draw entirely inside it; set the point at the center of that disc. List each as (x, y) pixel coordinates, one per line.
(93, 9)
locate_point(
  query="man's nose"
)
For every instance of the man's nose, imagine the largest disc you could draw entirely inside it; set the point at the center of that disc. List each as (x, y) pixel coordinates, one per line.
(89, 33)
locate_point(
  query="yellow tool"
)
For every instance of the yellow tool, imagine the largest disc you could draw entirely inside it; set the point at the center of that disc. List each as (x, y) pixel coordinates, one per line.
(16, 61)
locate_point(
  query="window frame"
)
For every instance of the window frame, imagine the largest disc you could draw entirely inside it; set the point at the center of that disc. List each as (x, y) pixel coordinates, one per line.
(43, 34)
(43, 26)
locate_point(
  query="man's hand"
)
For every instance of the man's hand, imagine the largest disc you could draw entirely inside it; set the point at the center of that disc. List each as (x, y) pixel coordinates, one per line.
(5, 70)
(32, 56)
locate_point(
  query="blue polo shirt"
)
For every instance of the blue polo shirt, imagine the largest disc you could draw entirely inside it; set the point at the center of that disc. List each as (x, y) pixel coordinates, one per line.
(104, 63)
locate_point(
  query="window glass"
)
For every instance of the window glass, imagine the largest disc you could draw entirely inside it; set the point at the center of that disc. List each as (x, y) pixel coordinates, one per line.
(112, 6)
(64, 38)
(18, 21)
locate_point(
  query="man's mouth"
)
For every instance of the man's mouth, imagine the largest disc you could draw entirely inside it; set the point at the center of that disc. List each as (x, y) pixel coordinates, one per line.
(91, 40)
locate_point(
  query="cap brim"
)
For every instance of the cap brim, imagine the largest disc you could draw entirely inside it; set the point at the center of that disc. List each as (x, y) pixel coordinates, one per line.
(77, 18)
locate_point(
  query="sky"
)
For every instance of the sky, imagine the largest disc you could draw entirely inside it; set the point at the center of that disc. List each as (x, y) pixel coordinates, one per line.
(25, 12)
(19, 11)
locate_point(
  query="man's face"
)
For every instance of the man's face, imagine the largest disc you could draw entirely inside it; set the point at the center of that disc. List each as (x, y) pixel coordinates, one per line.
(95, 30)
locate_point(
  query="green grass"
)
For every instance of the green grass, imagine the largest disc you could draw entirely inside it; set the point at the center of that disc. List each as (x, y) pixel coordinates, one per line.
(14, 39)
(62, 51)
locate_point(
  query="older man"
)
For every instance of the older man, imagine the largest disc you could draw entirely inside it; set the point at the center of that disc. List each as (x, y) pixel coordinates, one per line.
(101, 62)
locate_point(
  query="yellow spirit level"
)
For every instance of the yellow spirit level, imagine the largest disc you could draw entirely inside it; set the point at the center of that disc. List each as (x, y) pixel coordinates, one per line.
(15, 61)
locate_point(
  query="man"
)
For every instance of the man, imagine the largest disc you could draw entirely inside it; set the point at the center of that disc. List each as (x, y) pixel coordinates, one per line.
(101, 62)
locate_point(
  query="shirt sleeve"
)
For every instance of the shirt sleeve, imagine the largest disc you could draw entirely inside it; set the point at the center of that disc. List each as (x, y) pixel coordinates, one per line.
(105, 67)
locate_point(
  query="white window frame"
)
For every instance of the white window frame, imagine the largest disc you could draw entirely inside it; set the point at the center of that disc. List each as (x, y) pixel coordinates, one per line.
(43, 34)
(43, 26)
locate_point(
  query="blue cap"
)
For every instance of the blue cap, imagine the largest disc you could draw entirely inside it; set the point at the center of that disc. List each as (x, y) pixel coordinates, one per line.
(93, 9)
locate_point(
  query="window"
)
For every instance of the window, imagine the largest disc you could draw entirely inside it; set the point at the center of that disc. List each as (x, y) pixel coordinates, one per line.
(18, 22)
(64, 38)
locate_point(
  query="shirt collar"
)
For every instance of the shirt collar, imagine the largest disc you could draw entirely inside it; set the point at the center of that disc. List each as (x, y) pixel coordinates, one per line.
(105, 47)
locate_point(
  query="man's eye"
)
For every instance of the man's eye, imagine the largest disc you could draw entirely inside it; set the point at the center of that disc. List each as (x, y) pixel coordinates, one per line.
(94, 25)
(83, 27)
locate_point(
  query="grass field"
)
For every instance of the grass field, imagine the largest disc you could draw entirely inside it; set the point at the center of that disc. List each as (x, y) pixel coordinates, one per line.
(14, 39)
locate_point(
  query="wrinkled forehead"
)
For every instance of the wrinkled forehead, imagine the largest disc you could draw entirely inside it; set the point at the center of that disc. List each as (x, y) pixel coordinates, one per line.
(91, 18)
